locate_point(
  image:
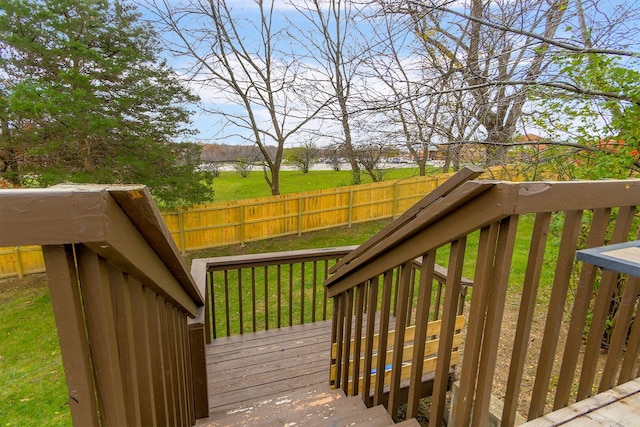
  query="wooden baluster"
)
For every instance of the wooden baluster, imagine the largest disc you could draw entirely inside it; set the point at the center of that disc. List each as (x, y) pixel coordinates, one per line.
(423, 306)
(608, 281)
(240, 310)
(581, 302)
(385, 311)
(527, 304)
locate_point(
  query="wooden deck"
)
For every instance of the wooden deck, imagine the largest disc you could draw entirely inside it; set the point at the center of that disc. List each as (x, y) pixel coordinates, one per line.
(619, 406)
(248, 369)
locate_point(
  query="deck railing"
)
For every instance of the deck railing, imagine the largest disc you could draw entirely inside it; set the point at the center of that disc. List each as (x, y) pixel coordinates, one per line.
(250, 293)
(478, 228)
(123, 301)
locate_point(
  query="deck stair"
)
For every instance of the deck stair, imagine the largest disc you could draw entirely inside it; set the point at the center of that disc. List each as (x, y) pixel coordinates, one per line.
(313, 406)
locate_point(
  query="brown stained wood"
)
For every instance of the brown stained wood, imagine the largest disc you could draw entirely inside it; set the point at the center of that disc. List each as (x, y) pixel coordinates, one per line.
(620, 333)
(169, 364)
(581, 304)
(289, 359)
(608, 280)
(302, 293)
(314, 289)
(177, 390)
(99, 312)
(210, 315)
(253, 300)
(495, 309)
(290, 294)
(466, 174)
(240, 298)
(143, 354)
(525, 315)
(536, 197)
(346, 341)
(266, 298)
(279, 294)
(188, 371)
(74, 347)
(199, 370)
(631, 353)
(357, 334)
(452, 290)
(368, 340)
(276, 258)
(473, 205)
(399, 339)
(562, 276)
(227, 312)
(157, 368)
(338, 325)
(121, 299)
(423, 305)
(385, 310)
(477, 313)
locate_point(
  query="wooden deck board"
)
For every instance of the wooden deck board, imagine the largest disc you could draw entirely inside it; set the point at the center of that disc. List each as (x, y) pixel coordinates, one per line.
(619, 406)
(265, 364)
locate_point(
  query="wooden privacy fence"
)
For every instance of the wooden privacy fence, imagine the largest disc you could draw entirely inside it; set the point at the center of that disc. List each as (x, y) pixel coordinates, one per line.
(480, 227)
(128, 314)
(221, 224)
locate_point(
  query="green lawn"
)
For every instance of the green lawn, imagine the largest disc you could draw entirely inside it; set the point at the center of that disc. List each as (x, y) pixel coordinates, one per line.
(230, 186)
(33, 389)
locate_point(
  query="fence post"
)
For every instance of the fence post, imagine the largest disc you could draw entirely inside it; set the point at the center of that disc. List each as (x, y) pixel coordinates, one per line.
(19, 265)
(242, 231)
(183, 242)
(394, 206)
(350, 206)
(299, 215)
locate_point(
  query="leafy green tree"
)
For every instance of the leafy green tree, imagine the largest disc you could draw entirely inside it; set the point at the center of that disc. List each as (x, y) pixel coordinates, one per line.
(594, 128)
(84, 98)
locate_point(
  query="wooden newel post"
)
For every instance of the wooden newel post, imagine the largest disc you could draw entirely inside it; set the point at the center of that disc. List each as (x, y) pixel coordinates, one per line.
(199, 369)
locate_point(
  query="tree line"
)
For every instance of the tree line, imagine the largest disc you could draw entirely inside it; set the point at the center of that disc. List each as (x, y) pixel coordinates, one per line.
(85, 94)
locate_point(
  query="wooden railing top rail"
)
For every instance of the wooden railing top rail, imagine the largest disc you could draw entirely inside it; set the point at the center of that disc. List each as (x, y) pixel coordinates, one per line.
(274, 258)
(466, 174)
(470, 207)
(114, 221)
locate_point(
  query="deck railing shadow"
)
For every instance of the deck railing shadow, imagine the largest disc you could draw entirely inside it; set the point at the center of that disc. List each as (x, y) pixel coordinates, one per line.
(478, 227)
(126, 308)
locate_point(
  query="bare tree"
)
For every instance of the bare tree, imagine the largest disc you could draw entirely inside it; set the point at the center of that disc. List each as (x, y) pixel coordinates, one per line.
(249, 72)
(329, 44)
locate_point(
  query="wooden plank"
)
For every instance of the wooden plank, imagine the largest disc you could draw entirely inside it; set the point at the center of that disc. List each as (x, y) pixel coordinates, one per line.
(495, 309)
(467, 173)
(477, 314)
(600, 311)
(99, 312)
(525, 315)
(74, 347)
(433, 328)
(444, 360)
(557, 302)
(581, 304)
(577, 414)
(423, 304)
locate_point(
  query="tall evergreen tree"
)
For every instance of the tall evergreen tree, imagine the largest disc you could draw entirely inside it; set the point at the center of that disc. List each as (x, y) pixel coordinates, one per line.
(85, 98)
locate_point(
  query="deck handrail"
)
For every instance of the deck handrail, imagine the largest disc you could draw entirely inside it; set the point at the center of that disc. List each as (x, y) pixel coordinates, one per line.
(122, 299)
(282, 274)
(490, 212)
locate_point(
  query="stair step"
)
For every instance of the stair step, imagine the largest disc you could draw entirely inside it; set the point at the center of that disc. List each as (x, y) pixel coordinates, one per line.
(411, 422)
(304, 406)
(370, 417)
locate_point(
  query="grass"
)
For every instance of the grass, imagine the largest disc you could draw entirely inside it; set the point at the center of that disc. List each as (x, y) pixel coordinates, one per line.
(230, 186)
(33, 388)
